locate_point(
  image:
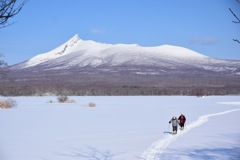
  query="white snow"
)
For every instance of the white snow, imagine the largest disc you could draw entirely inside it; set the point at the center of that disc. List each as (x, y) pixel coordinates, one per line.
(120, 128)
(157, 148)
(77, 52)
(147, 73)
(231, 103)
(220, 69)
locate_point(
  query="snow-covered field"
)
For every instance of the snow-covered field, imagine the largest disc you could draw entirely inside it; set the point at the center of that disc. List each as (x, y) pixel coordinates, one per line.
(120, 128)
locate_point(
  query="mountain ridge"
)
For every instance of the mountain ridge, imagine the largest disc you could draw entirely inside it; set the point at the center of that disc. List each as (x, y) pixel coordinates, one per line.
(79, 67)
(115, 54)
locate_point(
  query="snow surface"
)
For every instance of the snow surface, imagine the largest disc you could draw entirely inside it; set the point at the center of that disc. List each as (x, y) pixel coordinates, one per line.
(120, 128)
(77, 52)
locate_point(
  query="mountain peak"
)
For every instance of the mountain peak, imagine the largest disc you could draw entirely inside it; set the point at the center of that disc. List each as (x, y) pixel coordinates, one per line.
(73, 40)
(62, 50)
(75, 37)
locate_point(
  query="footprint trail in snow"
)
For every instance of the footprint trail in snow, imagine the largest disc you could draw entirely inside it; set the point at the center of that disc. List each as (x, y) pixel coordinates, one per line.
(158, 147)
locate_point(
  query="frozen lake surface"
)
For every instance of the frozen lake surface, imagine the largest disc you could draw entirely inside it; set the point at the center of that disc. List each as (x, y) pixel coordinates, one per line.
(120, 128)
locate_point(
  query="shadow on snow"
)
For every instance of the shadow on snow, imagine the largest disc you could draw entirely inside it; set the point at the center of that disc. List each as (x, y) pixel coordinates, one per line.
(90, 153)
(203, 154)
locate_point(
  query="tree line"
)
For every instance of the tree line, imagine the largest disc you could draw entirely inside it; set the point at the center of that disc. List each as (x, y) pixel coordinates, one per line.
(75, 90)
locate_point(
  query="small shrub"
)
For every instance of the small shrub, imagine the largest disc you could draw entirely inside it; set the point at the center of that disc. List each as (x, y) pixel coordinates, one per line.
(70, 101)
(9, 103)
(62, 99)
(91, 105)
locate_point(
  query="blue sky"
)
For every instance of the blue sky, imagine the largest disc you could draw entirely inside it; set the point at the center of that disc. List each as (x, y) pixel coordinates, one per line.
(204, 26)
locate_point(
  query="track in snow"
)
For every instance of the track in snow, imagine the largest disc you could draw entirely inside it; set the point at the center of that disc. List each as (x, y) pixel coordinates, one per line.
(158, 147)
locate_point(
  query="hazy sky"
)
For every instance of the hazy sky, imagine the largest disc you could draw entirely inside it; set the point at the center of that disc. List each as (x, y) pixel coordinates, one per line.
(204, 26)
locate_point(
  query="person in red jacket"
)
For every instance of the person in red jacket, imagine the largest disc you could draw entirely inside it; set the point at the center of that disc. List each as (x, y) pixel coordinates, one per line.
(182, 120)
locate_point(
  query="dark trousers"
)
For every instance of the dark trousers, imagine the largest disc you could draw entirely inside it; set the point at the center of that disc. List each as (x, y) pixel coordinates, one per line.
(174, 128)
(181, 125)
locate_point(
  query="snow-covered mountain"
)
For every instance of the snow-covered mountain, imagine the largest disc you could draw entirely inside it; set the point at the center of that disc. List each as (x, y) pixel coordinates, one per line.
(77, 53)
(91, 64)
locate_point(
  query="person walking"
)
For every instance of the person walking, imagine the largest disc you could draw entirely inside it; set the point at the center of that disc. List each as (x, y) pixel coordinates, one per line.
(182, 120)
(174, 122)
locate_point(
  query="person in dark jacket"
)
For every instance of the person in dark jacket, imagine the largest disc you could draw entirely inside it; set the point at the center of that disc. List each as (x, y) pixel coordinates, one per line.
(174, 122)
(182, 120)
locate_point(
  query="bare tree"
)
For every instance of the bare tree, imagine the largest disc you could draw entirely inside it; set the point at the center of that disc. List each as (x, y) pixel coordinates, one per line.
(235, 21)
(8, 9)
(3, 68)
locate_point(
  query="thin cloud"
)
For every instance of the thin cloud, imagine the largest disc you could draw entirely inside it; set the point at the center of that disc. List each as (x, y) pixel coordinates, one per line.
(97, 31)
(204, 41)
